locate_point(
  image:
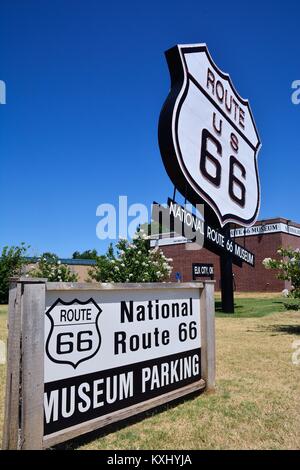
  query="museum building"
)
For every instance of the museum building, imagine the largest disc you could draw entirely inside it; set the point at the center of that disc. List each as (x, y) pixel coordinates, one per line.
(263, 239)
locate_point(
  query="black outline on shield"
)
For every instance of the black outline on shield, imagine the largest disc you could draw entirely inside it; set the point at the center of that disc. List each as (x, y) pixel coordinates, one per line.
(52, 328)
(180, 79)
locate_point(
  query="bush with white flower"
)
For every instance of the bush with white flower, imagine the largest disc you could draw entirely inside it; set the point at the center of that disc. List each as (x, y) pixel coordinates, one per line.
(288, 267)
(133, 262)
(50, 267)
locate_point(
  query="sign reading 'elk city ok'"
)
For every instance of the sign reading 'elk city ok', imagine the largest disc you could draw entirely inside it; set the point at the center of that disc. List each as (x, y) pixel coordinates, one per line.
(208, 138)
(93, 354)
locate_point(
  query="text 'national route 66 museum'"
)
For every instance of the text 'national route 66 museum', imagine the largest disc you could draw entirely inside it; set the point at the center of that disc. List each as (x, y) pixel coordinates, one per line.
(262, 239)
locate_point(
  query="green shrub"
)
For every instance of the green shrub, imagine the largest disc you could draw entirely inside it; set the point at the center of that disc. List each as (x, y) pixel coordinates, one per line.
(292, 304)
(288, 269)
(133, 262)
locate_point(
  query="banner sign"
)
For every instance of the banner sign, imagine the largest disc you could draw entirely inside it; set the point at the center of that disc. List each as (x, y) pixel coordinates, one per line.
(208, 138)
(186, 224)
(278, 227)
(203, 270)
(214, 239)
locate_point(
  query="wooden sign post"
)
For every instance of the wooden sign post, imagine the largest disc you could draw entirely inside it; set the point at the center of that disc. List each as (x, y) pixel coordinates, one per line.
(84, 355)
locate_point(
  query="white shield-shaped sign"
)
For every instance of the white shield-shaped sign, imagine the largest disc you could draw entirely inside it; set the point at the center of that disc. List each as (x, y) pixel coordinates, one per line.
(74, 334)
(208, 138)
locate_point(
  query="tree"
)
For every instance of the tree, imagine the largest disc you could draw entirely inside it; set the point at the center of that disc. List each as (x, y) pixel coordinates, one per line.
(50, 267)
(11, 264)
(133, 262)
(87, 254)
(289, 270)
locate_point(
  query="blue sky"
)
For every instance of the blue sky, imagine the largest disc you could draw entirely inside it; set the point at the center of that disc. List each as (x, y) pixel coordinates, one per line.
(86, 80)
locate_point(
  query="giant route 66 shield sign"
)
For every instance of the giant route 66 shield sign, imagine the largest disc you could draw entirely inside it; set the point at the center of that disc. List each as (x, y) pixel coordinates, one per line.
(208, 139)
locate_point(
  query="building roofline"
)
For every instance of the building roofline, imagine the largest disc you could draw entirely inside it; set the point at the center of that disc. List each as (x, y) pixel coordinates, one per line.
(276, 220)
(69, 261)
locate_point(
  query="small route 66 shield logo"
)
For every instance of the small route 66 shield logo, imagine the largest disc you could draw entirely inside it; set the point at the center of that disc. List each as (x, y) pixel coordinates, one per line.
(74, 335)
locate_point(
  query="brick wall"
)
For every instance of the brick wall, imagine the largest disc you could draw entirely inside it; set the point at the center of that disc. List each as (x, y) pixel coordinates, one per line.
(82, 272)
(259, 278)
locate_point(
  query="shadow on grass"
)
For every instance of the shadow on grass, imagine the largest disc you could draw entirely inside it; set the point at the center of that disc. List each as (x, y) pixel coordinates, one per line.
(114, 427)
(285, 329)
(218, 306)
(251, 308)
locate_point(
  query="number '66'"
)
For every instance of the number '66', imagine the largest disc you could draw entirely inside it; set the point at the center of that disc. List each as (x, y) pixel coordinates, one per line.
(66, 342)
(187, 331)
(234, 164)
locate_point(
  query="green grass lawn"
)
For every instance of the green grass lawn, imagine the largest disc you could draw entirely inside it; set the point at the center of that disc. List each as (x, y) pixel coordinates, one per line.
(256, 402)
(253, 307)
